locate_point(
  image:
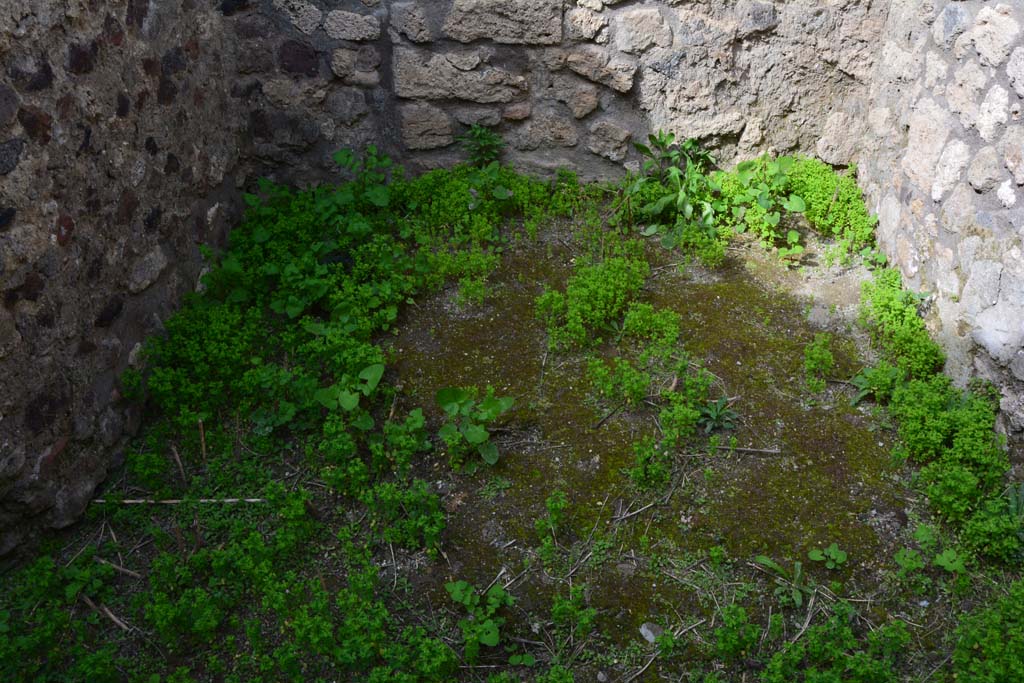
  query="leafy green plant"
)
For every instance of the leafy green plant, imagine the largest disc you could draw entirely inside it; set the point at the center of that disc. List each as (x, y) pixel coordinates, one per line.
(483, 625)
(950, 560)
(759, 196)
(835, 207)
(831, 651)
(990, 642)
(595, 297)
(619, 380)
(653, 464)
(657, 329)
(483, 145)
(911, 570)
(791, 586)
(737, 637)
(818, 361)
(878, 382)
(467, 417)
(547, 527)
(718, 415)
(495, 487)
(793, 250)
(832, 556)
(890, 313)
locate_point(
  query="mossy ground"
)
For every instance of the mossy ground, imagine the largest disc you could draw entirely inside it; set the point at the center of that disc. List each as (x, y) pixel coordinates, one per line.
(309, 585)
(808, 469)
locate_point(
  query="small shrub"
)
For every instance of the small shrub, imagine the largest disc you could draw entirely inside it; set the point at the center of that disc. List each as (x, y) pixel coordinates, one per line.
(595, 297)
(483, 145)
(990, 642)
(818, 361)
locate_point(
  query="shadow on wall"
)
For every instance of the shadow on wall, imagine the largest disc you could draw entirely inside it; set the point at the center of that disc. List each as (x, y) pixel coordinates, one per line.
(127, 132)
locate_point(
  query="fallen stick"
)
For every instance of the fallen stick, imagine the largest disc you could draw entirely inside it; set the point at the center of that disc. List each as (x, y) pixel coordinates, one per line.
(608, 416)
(770, 451)
(624, 517)
(105, 611)
(176, 501)
(119, 568)
(181, 468)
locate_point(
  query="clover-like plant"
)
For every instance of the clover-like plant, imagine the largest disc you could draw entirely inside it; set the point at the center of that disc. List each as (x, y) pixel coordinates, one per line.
(832, 556)
(465, 429)
(483, 625)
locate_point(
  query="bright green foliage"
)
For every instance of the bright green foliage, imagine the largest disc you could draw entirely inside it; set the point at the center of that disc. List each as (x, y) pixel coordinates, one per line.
(818, 361)
(661, 154)
(832, 556)
(679, 419)
(911, 570)
(556, 674)
(674, 197)
(618, 381)
(993, 530)
(878, 382)
(755, 196)
(653, 468)
(990, 642)
(467, 419)
(556, 504)
(890, 312)
(570, 613)
(657, 330)
(832, 652)
(835, 203)
(685, 403)
(407, 514)
(483, 625)
(547, 527)
(36, 611)
(595, 298)
(483, 145)
(273, 370)
(950, 560)
(952, 433)
(737, 637)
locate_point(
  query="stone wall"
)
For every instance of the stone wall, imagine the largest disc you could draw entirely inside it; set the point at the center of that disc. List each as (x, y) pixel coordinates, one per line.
(129, 127)
(570, 86)
(118, 136)
(943, 161)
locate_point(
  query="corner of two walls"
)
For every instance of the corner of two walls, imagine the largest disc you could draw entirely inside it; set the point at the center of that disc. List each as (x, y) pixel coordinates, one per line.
(129, 128)
(943, 165)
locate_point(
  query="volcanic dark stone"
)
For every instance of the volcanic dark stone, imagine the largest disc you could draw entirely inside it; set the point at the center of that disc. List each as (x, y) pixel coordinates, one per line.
(82, 57)
(124, 104)
(166, 91)
(109, 314)
(8, 104)
(37, 123)
(10, 154)
(7, 215)
(298, 58)
(136, 13)
(32, 78)
(152, 219)
(229, 7)
(65, 229)
(173, 62)
(172, 165)
(113, 31)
